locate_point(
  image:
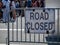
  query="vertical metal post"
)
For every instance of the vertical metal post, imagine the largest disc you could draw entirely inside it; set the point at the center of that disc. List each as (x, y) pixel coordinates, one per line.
(25, 26)
(54, 23)
(21, 25)
(12, 31)
(43, 38)
(58, 26)
(30, 37)
(38, 37)
(17, 29)
(34, 37)
(8, 32)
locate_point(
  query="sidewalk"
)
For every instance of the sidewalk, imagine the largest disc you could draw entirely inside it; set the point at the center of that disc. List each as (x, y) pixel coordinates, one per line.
(26, 44)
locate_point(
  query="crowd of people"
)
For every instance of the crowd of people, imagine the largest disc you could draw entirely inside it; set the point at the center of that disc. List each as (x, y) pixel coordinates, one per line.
(31, 3)
(7, 5)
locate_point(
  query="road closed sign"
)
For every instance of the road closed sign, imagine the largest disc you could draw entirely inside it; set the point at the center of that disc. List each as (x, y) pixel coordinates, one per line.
(39, 21)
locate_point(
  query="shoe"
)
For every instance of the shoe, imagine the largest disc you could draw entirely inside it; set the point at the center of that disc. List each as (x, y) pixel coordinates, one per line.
(12, 20)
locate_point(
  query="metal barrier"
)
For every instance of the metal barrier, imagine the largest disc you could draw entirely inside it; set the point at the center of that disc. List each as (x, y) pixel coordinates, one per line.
(16, 30)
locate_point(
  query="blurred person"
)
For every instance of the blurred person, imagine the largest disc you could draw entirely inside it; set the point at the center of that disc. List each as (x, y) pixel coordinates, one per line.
(6, 10)
(8, 5)
(13, 12)
(28, 3)
(21, 5)
(1, 4)
(1, 12)
(17, 5)
(42, 3)
(35, 3)
(25, 3)
(39, 3)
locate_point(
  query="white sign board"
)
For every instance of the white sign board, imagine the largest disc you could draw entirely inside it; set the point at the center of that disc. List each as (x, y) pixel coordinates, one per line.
(39, 21)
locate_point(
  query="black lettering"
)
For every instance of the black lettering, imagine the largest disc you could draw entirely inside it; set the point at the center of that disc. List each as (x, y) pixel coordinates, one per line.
(28, 25)
(36, 25)
(31, 16)
(51, 24)
(32, 26)
(41, 26)
(42, 16)
(46, 16)
(46, 26)
(36, 15)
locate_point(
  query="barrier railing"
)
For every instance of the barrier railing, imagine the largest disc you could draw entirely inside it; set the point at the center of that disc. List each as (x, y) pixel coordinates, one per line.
(17, 31)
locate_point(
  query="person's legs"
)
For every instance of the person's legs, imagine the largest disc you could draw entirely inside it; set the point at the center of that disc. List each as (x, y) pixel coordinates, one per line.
(1, 15)
(4, 15)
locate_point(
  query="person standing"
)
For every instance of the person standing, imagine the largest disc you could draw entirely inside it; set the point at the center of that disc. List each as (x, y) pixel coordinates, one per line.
(35, 3)
(28, 3)
(6, 10)
(1, 12)
(13, 12)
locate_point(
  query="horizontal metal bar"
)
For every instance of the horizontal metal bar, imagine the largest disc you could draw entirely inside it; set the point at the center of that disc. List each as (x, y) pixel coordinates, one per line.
(34, 42)
(27, 42)
(31, 8)
(35, 8)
